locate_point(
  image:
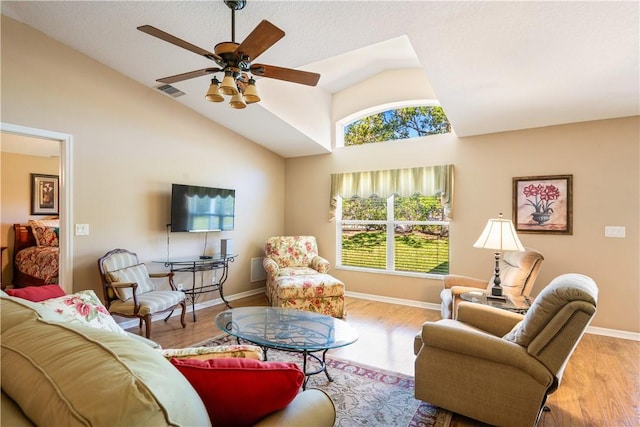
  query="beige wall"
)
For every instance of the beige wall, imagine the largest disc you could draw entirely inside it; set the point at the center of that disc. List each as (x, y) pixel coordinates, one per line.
(129, 144)
(603, 157)
(15, 197)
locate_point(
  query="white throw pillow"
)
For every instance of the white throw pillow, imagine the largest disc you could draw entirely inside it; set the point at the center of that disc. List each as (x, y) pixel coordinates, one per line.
(83, 308)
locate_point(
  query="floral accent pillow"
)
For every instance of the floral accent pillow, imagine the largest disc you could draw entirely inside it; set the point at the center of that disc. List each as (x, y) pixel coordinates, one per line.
(83, 308)
(45, 231)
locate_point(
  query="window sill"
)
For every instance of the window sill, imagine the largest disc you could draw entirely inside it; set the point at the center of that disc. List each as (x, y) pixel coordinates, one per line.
(392, 273)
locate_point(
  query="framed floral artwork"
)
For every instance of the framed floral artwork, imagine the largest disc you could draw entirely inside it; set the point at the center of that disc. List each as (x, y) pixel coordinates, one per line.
(44, 194)
(543, 204)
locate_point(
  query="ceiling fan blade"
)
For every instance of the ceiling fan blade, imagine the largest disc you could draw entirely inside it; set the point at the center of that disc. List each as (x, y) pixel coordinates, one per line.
(260, 39)
(189, 75)
(153, 31)
(287, 74)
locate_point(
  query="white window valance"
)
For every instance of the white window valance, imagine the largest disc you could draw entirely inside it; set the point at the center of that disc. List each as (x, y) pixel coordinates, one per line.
(426, 181)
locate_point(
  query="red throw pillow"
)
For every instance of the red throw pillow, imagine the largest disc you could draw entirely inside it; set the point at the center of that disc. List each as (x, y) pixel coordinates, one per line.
(240, 392)
(37, 293)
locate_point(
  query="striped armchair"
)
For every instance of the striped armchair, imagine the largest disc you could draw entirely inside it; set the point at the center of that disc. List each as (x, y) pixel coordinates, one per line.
(130, 292)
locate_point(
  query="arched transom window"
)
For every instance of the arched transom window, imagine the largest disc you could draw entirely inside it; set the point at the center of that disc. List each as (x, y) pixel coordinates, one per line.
(391, 123)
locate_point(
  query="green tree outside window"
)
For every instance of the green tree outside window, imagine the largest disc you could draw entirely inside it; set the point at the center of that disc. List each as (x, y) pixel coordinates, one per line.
(401, 123)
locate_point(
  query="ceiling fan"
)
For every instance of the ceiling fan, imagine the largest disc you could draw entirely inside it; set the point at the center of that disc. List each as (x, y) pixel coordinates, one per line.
(235, 61)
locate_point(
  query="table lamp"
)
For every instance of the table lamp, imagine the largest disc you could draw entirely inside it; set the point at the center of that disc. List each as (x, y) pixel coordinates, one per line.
(500, 235)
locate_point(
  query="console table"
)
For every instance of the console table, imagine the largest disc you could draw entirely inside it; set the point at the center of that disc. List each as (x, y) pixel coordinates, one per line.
(195, 264)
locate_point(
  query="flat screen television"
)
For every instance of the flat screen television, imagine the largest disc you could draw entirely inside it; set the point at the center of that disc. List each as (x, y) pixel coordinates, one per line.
(195, 208)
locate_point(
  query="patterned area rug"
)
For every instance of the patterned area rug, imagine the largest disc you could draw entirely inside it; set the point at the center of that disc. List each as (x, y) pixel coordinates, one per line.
(363, 395)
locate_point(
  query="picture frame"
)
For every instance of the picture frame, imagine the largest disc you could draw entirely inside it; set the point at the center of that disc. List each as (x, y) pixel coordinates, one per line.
(543, 204)
(45, 194)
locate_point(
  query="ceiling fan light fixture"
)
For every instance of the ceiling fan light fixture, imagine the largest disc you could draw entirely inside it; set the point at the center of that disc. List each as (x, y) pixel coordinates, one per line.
(228, 86)
(235, 61)
(213, 94)
(237, 102)
(251, 92)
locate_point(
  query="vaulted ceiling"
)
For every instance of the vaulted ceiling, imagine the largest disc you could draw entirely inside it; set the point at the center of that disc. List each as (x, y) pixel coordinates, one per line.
(494, 66)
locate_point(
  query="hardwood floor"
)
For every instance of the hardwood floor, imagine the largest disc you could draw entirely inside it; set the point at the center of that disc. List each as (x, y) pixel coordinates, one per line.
(600, 386)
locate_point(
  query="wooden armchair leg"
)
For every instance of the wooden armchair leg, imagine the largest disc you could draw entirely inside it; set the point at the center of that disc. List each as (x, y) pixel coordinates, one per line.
(184, 310)
(147, 324)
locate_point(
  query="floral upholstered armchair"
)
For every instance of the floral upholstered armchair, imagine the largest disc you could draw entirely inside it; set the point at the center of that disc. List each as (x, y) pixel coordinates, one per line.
(297, 276)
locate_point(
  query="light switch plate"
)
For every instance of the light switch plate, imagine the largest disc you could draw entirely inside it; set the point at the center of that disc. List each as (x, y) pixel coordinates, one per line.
(82, 229)
(615, 231)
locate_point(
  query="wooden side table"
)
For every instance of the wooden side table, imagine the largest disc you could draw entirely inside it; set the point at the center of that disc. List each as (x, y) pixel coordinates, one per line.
(2, 249)
(519, 304)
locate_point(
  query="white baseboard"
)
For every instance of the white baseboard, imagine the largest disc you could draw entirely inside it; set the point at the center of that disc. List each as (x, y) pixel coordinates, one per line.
(614, 333)
(390, 300)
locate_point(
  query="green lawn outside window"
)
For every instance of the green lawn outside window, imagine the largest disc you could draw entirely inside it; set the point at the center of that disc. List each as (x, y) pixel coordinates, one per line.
(420, 235)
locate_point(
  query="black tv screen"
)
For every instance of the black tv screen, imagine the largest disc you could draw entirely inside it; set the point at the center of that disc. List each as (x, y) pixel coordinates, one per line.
(195, 208)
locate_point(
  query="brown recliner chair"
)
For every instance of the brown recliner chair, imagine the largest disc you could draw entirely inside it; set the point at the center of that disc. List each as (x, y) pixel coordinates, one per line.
(518, 273)
(498, 367)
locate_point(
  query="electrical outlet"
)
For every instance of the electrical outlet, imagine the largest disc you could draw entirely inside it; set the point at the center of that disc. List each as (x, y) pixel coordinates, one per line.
(82, 229)
(615, 231)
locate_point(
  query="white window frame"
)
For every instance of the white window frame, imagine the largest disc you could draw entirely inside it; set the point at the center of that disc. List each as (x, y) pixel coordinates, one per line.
(390, 224)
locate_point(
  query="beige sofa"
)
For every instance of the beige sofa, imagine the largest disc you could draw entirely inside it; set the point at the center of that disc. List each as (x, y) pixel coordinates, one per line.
(58, 374)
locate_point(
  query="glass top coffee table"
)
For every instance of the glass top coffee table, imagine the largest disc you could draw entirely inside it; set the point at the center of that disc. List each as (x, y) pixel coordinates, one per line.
(289, 330)
(519, 304)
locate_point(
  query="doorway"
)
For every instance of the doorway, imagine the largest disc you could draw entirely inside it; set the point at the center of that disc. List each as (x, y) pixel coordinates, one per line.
(65, 274)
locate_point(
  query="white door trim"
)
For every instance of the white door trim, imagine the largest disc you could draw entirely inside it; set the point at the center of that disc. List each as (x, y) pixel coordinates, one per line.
(65, 276)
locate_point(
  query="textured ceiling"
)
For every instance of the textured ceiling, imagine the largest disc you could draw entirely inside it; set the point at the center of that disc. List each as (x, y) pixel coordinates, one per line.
(494, 66)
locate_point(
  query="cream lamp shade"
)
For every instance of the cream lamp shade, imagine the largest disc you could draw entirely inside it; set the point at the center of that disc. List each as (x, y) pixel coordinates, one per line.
(500, 235)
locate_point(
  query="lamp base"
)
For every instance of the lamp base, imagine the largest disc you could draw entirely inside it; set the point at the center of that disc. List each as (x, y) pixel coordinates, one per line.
(497, 297)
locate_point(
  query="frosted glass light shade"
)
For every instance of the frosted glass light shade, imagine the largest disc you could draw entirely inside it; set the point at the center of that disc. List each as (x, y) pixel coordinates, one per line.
(237, 102)
(228, 86)
(500, 235)
(213, 94)
(251, 93)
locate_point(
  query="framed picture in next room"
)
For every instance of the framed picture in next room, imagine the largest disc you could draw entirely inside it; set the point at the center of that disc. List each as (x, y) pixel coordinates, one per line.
(543, 204)
(44, 194)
